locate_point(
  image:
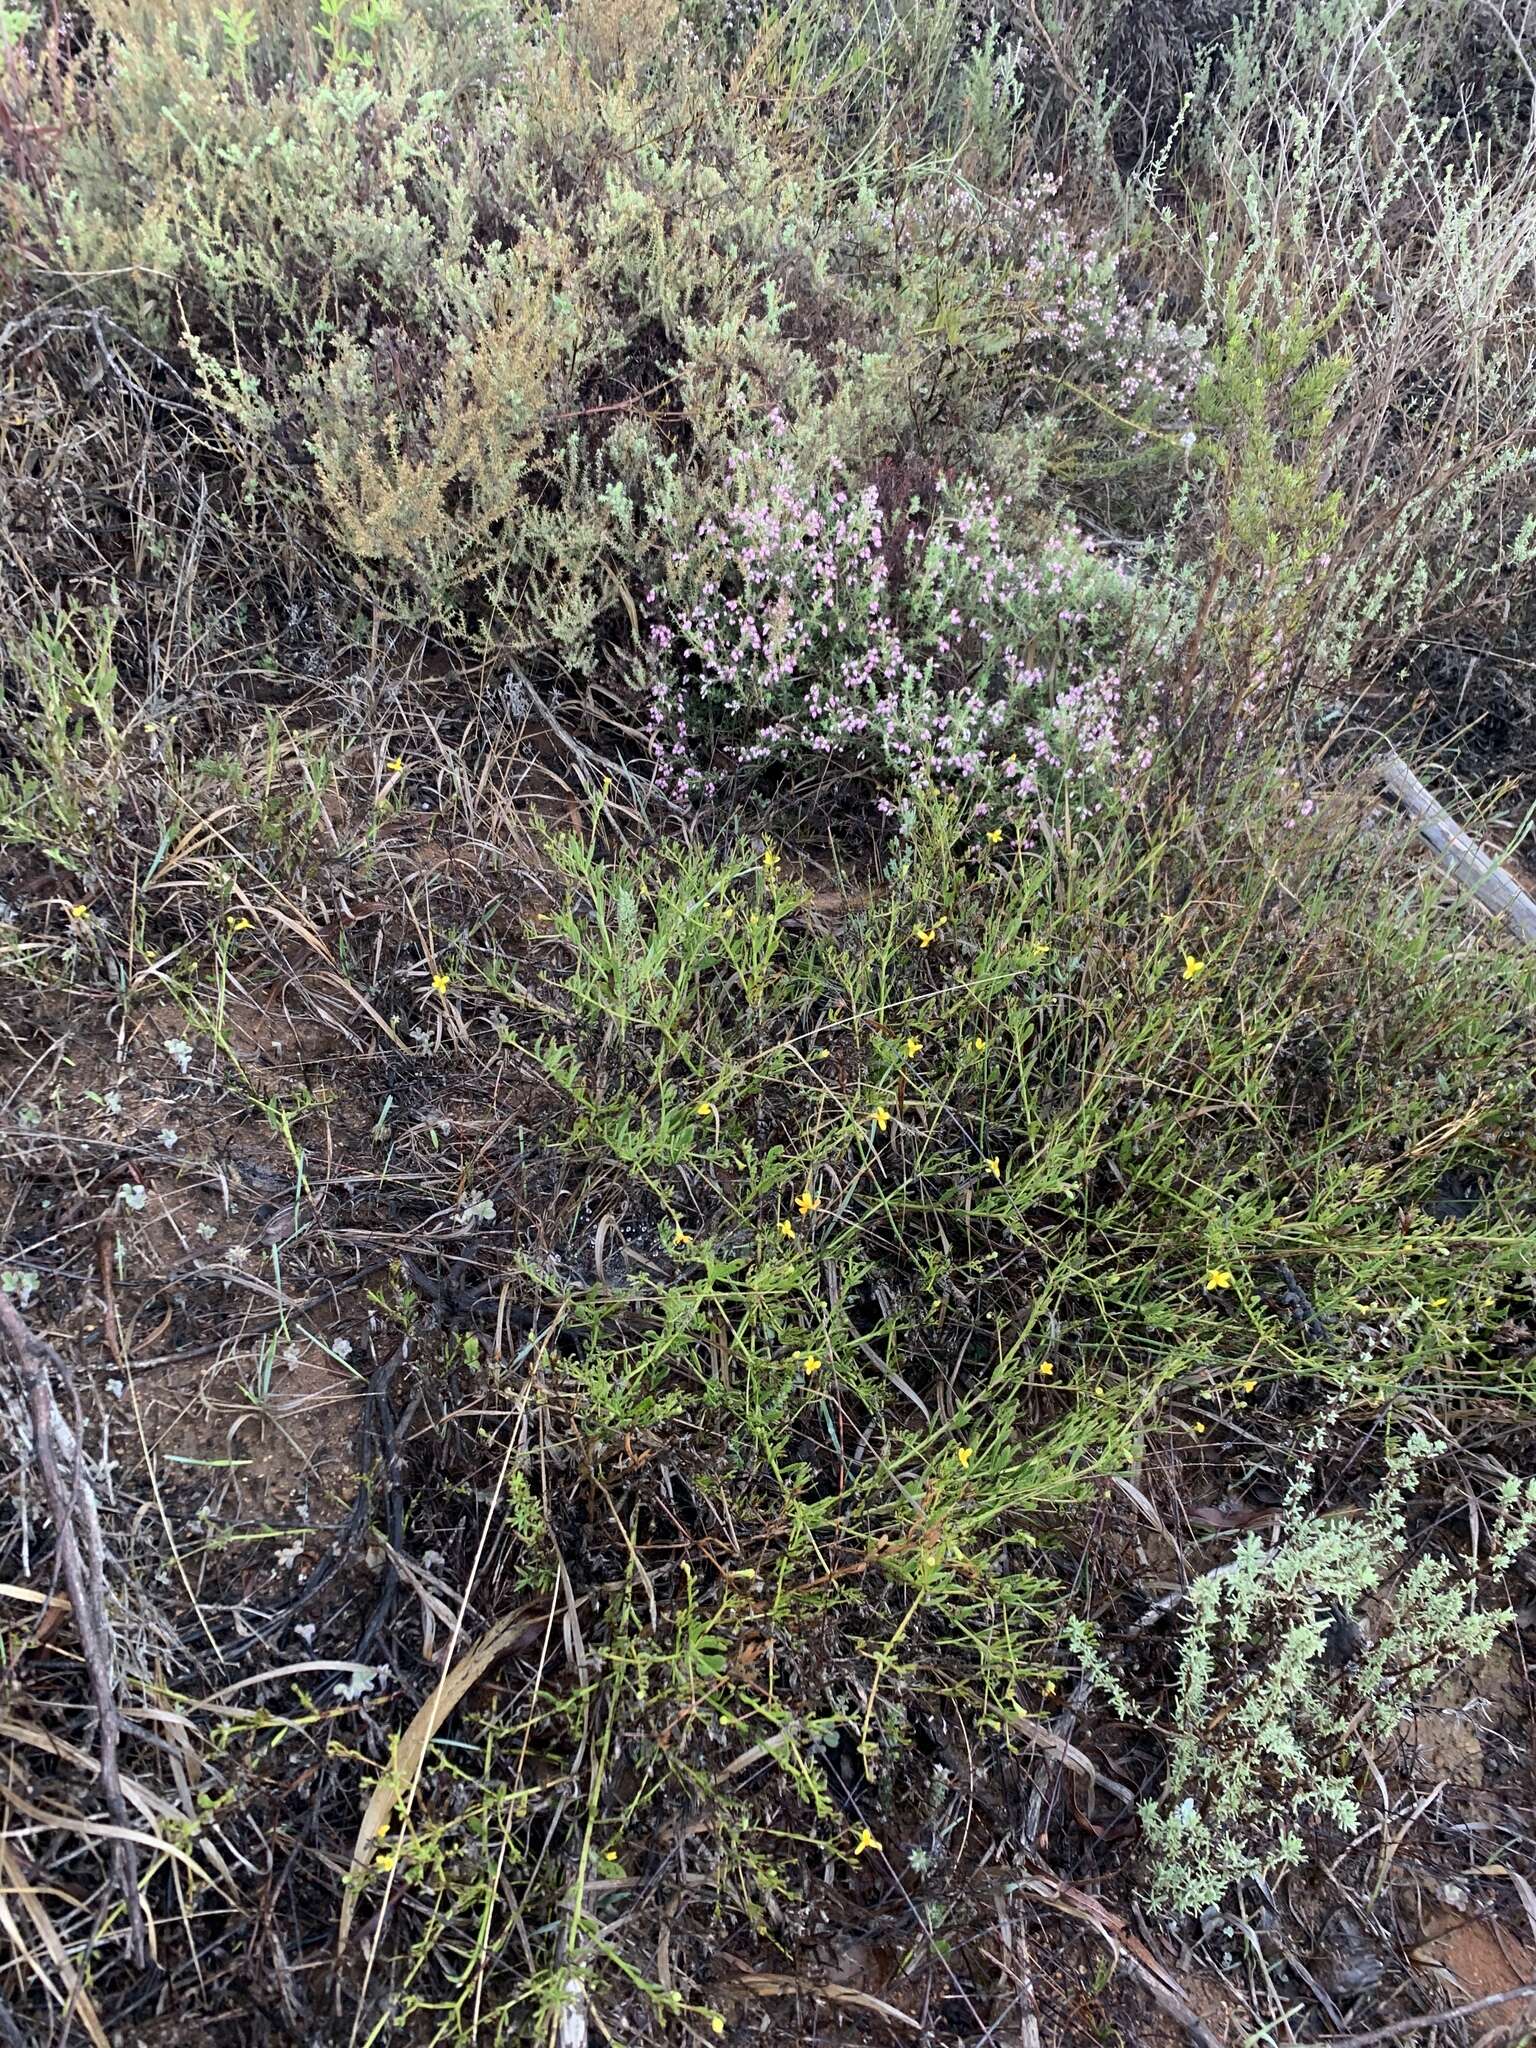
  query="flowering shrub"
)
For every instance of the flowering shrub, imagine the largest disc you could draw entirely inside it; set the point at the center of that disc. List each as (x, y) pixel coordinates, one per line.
(925, 654)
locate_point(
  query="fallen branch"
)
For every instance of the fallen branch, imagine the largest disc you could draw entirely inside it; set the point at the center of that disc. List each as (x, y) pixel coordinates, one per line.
(1456, 851)
(81, 1562)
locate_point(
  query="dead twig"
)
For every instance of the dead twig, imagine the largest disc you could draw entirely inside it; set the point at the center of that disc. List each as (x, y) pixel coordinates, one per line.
(608, 771)
(1053, 1743)
(773, 1984)
(1016, 1948)
(81, 1561)
(1400, 2029)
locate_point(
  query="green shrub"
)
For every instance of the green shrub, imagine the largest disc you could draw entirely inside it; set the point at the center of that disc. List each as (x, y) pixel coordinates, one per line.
(478, 303)
(469, 293)
(1365, 270)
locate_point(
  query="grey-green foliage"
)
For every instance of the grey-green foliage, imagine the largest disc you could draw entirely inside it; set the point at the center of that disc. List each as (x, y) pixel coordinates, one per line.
(1340, 198)
(486, 296)
(1267, 1729)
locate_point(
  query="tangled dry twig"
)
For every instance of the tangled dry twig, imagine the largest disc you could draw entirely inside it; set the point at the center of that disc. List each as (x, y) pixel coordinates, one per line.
(1425, 2022)
(81, 1561)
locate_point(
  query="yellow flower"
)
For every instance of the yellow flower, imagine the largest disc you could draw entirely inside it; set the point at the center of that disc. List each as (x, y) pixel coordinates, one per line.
(964, 1455)
(439, 984)
(866, 1841)
(1038, 948)
(914, 1047)
(811, 1363)
(704, 1109)
(79, 912)
(1101, 1390)
(610, 1855)
(239, 924)
(395, 766)
(979, 1043)
(995, 835)
(1193, 968)
(1217, 1279)
(1441, 1301)
(1199, 1428)
(805, 1202)
(681, 1237)
(770, 858)
(1248, 1385)
(786, 1228)
(994, 1166)
(882, 1117)
(716, 2024)
(1046, 1368)
(925, 934)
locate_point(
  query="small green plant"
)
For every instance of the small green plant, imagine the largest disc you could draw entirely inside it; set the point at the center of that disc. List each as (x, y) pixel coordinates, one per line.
(61, 787)
(1273, 1699)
